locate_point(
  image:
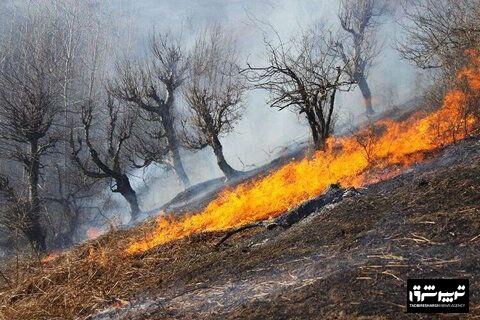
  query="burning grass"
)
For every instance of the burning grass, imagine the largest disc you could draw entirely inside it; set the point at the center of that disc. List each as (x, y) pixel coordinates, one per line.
(122, 266)
(346, 160)
(413, 225)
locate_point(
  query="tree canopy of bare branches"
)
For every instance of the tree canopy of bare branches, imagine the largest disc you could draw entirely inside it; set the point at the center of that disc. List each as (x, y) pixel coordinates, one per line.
(109, 153)
(30, 91)
(49, 62)
(305, 74)
(438, 32)
(214, 94)
(151, 87)
(359, 47)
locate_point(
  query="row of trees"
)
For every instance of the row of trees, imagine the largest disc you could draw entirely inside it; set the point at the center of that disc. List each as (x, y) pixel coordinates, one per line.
(73, 125)
(69, 128)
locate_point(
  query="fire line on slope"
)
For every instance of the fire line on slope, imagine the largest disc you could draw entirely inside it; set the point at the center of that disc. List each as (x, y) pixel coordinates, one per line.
(345, 160)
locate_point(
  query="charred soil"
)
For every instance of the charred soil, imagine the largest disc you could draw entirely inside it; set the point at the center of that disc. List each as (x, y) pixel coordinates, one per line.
(348, 259)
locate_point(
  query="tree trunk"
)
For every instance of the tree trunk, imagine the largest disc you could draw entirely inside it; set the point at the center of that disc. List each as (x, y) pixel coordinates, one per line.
(173, 145)
(366, 93)
(227, 170)
(34, 230)
(73, 216)
(178, 166)
(126, 190)
(66, 239)
(36, 235)
(318, 141)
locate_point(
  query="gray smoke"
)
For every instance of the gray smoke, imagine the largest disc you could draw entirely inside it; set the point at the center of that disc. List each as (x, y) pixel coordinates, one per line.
(262, 133)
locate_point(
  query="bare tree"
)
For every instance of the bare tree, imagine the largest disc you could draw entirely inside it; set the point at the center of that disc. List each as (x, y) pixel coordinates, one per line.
(214, 94)
(443, 37)
(71, 194)
(359, 48)
(304, 74)
(437, 33)
(111, 157)
(152, 87)
(68, 194)
(30, 77)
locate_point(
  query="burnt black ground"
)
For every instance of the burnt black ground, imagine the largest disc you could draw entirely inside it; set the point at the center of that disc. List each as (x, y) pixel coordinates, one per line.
(349, 260)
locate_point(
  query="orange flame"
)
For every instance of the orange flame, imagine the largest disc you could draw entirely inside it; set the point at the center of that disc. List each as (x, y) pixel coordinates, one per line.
(52, 256)
(345, 160)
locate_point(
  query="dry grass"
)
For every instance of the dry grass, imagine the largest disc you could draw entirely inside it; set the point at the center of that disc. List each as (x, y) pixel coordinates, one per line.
(422, 224)
(93, 276)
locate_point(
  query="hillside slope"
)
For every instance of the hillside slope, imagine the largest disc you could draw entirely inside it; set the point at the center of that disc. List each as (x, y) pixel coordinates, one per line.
(350, 259)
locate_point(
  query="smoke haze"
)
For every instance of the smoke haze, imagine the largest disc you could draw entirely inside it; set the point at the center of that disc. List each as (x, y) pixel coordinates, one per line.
(263, 131)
